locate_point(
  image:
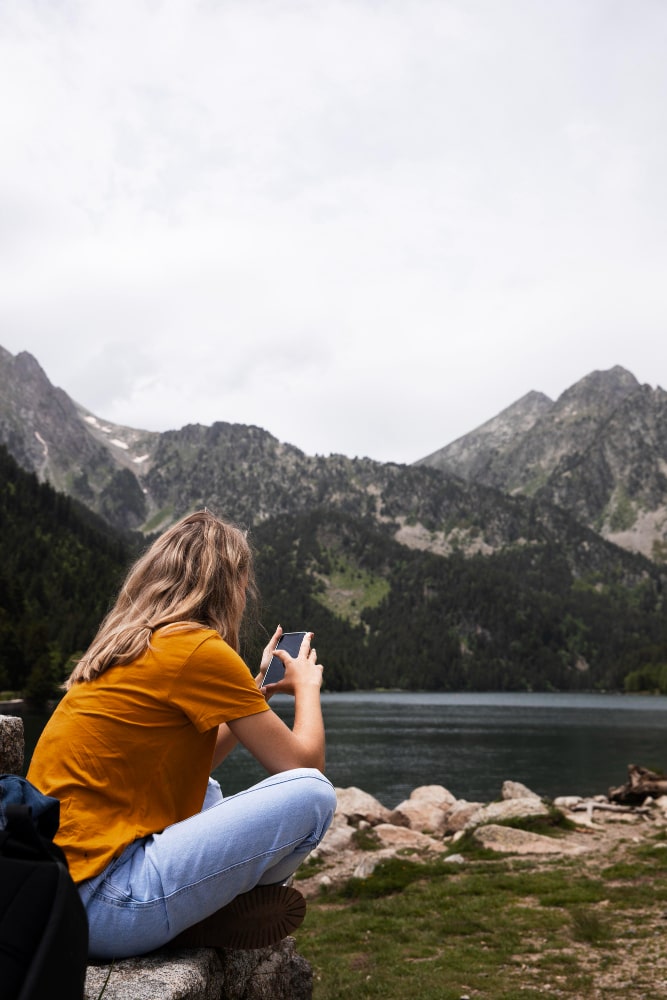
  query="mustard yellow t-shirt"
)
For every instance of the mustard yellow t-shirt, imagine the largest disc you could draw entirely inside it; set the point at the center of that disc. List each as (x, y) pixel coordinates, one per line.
(129, 753)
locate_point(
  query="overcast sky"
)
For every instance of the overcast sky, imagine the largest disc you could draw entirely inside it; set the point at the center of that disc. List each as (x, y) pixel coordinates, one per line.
(366, 226)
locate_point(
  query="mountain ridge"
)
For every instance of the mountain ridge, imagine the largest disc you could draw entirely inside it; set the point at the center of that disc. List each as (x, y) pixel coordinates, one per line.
(599, 451)
(412, 577)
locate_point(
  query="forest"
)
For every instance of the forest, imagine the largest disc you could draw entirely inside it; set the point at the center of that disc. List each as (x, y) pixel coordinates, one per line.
(531, 617)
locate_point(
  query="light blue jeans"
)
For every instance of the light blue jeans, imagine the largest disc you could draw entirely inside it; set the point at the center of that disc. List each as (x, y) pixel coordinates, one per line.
(163, 883)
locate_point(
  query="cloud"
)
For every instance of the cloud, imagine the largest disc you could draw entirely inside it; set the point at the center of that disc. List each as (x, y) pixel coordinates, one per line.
(366, 227)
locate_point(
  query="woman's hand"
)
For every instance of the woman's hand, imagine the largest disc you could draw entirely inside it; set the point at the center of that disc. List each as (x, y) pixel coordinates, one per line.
(301, 672)
(267, 656)
(266, 736)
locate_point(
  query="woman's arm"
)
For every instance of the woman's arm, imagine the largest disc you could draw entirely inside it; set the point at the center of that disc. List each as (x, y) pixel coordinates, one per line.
(268, 739)
(224, 744)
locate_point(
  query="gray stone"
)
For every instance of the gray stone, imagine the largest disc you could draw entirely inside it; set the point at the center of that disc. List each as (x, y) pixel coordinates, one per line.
(366, 866)
(277, 973)
(197, 975)
(436, 795)
(400, 837)
(515, 790)
(356, 806)
(337, 838)
(11, 744)
(505, 839)
(419, 815)
(510, 809)
(567, 801)
(457, 817)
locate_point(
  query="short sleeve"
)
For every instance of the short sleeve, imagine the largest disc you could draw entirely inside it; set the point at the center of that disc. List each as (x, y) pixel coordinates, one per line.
(214, 685)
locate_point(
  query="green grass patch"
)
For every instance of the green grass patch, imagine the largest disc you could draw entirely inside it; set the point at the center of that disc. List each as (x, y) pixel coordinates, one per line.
(499, 929)
(366, 839)
(589, 926)
(311, 866)
(348, 590)
(554, 824)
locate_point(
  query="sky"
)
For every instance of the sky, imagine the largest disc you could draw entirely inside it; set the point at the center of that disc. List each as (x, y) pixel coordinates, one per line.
(367, 226)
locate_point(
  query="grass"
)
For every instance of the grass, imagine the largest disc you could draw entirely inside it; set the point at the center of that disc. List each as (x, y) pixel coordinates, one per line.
(494, 928)
(349, 590)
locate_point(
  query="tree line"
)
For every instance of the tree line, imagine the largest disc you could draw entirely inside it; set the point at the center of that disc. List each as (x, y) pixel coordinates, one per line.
(531, 617)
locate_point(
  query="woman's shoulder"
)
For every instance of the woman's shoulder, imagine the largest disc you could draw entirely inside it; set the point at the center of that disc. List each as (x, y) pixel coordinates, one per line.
(184, 635)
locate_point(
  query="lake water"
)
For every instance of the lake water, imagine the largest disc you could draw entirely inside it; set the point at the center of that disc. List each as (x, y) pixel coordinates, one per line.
(557, 744)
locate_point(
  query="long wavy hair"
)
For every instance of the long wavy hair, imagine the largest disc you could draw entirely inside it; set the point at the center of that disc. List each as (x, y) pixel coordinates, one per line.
(196, 574)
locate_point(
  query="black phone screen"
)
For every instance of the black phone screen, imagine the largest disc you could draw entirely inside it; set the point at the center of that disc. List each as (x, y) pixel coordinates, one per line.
(289, 641)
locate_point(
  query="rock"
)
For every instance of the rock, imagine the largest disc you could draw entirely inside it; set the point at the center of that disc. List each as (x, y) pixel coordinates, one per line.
(366, 866)
(418, 815)
(339, 837)
(567, 801)
(505, 839)
(356, 805)
(277, 973)
(582, 819)
(195, 974)
(515, 790)
(401, 837)
(510, 809)
(11, 744)
(457, 817)
(454, 859)
(436, 795)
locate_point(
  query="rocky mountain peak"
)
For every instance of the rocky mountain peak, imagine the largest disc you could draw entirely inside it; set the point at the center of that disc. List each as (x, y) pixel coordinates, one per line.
(600, 391)
(599, 451)
(28, 367)
(471, 454)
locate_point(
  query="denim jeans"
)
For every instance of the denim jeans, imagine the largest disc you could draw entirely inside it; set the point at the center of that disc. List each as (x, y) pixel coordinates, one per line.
(163, 883)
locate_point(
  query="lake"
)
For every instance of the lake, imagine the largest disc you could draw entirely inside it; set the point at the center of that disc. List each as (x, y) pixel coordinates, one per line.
(556, 744)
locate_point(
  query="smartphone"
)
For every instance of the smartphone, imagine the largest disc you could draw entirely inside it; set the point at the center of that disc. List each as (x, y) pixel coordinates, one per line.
(291, 642)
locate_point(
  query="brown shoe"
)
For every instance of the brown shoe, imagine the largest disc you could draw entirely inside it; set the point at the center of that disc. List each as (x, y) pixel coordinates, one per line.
(255, 919)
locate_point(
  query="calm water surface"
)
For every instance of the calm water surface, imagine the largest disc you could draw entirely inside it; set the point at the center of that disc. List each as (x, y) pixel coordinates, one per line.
(557, 744)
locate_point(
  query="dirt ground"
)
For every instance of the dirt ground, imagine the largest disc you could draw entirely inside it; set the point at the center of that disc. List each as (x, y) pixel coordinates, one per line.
(636, 964)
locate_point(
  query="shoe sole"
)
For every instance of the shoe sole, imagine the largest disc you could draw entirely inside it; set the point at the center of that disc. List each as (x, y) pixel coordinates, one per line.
(255, 919)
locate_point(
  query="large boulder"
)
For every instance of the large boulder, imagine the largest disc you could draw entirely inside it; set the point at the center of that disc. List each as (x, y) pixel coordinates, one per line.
(507, 840)
(400, 838)
(457, 817)
(276, 973)
(425, 810)
(509, 809)
(357, 806)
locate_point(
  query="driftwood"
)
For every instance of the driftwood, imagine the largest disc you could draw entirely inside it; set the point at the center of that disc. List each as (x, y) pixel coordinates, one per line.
(608, 807)
(641, 784)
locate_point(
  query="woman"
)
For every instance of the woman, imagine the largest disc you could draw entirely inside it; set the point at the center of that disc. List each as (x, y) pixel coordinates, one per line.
(158, 700)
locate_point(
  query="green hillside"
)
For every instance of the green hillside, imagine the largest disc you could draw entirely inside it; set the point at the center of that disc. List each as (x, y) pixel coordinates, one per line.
(562, 611)
(533, 617)
(59, 568)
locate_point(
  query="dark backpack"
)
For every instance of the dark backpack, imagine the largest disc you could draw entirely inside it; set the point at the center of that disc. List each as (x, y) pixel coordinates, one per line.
(43, 924)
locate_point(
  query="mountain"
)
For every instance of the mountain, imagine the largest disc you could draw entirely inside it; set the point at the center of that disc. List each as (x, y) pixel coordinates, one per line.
(144, 481)
(411, 576)
(598, 451)
(65, 445)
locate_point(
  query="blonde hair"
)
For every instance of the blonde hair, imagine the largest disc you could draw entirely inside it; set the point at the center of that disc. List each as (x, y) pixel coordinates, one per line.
(194, 575)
